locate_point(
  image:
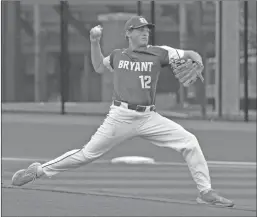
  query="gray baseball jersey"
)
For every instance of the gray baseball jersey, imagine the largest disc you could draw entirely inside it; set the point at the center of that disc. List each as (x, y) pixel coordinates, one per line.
(136, 72)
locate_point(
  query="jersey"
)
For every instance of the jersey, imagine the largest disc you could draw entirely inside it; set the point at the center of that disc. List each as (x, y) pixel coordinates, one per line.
(136, 72)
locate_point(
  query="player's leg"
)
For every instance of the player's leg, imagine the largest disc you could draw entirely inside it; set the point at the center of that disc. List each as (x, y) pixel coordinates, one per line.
(166, 133)
(108, 135)
(116, 128)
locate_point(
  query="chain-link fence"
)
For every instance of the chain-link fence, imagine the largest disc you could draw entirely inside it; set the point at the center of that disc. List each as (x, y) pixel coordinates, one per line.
(31, 51)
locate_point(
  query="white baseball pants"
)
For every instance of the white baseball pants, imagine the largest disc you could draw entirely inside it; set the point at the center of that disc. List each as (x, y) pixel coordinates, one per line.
(122, 124)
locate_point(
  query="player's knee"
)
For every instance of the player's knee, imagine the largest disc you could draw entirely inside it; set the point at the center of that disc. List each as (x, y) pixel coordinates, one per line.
(191, 148)
(194, 139)
(191, 140)
(90, 156)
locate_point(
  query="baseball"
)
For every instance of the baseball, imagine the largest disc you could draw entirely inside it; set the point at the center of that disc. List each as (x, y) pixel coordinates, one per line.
(97, 30)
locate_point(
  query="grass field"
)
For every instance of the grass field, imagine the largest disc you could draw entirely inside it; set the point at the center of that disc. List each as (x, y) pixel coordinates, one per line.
(105, 189)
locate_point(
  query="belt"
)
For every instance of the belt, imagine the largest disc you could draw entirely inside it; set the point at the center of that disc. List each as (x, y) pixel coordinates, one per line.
(138, 108)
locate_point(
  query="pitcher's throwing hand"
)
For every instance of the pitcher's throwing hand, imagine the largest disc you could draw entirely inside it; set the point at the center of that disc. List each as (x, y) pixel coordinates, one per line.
(96, 33)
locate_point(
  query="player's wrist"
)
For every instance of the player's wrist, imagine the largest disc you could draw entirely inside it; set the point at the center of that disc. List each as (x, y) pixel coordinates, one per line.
(95, 42)
(193, 56)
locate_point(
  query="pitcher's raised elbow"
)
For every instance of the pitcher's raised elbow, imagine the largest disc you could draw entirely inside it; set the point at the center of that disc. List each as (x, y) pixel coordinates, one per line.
(100, 69)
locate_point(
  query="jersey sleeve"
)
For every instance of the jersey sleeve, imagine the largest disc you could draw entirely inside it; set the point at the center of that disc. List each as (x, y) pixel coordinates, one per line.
(169, 54)
(108, 61)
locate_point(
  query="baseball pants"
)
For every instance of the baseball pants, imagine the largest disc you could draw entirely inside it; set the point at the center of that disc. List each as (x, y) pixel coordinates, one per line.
(122, 124)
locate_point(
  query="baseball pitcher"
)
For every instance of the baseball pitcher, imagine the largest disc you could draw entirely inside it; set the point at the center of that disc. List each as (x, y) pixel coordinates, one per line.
(135, 72)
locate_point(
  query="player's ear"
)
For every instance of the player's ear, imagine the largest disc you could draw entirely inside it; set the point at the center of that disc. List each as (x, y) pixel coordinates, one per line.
(127, 34)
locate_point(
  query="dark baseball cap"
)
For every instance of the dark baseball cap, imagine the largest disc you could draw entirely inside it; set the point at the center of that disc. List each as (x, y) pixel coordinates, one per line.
(137, 22)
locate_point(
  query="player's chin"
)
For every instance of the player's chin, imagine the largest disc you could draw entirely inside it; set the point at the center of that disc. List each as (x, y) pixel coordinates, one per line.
(144, 41)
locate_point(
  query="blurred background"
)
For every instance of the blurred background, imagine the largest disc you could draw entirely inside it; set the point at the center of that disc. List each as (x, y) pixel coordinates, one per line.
(46, 53)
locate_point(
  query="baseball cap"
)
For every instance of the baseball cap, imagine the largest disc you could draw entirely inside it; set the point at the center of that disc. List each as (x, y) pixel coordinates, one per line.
(137, 22)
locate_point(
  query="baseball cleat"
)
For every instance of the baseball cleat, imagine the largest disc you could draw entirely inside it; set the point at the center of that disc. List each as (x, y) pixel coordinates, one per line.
(25, 176)
(212, 198)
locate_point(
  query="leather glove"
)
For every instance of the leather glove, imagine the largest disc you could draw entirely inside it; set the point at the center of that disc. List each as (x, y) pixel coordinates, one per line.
(187, 71)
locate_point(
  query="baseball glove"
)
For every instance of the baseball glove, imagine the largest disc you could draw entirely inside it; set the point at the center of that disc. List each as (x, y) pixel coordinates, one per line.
(187, 71)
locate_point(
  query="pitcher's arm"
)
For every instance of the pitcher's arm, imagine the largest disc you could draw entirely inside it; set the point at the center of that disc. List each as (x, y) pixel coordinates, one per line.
(172, 53)
(100, 63)
(97, 57)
